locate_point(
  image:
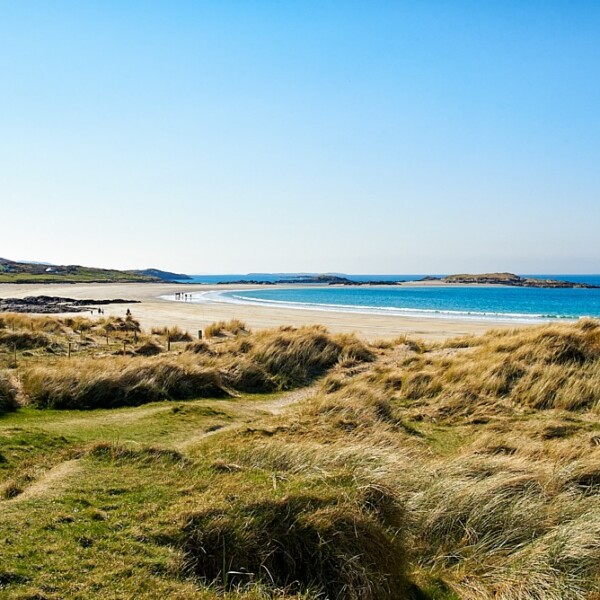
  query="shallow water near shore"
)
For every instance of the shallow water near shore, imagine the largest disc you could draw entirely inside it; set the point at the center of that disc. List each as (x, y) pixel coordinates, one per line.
(519, 305)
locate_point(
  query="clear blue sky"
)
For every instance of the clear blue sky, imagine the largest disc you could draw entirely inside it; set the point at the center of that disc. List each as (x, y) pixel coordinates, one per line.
(236, 136)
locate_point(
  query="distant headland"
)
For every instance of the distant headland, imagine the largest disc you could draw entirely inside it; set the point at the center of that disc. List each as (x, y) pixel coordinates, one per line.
(31, 272)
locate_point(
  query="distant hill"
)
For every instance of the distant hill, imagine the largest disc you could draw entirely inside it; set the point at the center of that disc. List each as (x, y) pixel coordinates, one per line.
(163, 275)
(21, 272)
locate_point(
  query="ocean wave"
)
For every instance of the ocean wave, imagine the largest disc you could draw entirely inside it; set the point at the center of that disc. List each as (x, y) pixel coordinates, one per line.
(234, 297)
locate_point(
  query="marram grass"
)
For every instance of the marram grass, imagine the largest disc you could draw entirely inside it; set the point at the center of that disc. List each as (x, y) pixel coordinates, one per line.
(460, 470)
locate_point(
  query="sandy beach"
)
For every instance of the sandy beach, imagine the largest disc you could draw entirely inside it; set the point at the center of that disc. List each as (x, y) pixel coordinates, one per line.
(156, 311)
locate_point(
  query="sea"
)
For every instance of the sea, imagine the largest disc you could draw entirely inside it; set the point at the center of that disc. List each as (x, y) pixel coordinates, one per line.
(486, 303)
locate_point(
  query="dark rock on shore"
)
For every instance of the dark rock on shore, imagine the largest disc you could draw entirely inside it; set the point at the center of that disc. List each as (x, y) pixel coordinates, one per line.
(54, 304)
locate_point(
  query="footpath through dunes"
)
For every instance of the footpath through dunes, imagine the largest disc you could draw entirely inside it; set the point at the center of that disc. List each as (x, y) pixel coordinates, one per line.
(49, 482)
(393, 470)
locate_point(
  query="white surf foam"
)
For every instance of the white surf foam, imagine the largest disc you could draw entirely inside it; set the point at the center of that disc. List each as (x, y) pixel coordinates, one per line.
(238, 297)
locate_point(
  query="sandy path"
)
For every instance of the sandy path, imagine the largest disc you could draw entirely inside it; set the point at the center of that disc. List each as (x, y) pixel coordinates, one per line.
(50, 483)
(55, 479)
(153, 311)
(255, 410)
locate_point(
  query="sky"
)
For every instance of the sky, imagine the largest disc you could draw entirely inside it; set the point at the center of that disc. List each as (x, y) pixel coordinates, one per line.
(360, 137)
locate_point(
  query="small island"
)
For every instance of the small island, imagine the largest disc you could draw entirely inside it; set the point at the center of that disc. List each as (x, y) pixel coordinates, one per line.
(319, 279)
(509, 279)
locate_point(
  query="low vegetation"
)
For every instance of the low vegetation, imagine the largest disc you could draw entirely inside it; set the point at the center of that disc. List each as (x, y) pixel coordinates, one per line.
(222, 328)
(173, 334)
(333, 545)
(467, 469)
(7, 394)
(16, 272)
(91, 378)
(24, 340)
(87, 384)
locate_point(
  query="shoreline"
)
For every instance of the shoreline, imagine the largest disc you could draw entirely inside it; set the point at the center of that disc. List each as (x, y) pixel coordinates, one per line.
(231, 296)
(155, 311)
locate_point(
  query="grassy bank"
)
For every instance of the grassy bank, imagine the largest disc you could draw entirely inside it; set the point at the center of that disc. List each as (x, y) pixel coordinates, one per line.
(17, 272)
(459, 470)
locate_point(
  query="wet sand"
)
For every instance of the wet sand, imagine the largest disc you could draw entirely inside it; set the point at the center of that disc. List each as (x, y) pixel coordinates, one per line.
(153, 311)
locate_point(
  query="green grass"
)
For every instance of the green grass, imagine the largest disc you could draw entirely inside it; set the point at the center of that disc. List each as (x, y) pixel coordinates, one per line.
(14, 272)
(414, 472)
(117, 526)
(93, 537)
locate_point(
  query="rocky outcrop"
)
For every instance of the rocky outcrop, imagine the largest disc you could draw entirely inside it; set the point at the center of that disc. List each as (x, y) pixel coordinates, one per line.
(54, 304)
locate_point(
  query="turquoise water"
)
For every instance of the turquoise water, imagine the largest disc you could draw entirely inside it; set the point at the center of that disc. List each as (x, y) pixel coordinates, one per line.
(270, 277)
(485, 303)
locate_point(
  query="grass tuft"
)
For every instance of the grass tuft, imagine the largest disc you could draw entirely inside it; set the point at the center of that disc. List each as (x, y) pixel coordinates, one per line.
(24, 340)
(222, 328)
(8, 394)
(300, 543)
(147, 455)
(174, 334)
(119, 382)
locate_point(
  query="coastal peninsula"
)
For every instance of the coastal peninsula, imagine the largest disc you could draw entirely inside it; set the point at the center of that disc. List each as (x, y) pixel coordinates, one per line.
(38, 272)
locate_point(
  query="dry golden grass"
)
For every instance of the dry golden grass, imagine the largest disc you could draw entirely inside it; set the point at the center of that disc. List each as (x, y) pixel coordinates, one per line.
(24, 340)
(469, 469)
(554, 366)
(261, 362)
(221, 328)
(500, 490)
(339, 546)
(8, 394)
(174, 333)
(38, 323)
(108, 383)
